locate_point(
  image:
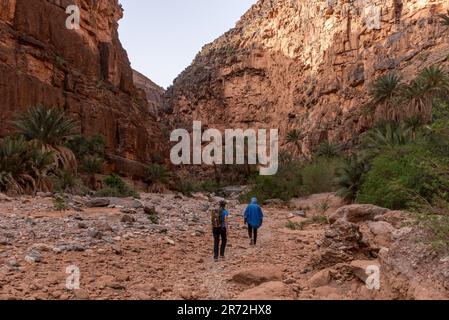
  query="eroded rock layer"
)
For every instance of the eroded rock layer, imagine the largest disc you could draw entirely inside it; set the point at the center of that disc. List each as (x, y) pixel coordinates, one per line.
(153, 92)
(307, 64)
(85, 71)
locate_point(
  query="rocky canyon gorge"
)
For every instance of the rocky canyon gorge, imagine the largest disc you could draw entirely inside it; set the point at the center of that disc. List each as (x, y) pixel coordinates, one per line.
(145, 232)
(287, 64)
(307, 65)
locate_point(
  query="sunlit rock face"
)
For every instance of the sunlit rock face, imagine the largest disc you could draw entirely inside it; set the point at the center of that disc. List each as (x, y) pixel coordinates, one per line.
(86, 71)
(307, 64)
(153, 92)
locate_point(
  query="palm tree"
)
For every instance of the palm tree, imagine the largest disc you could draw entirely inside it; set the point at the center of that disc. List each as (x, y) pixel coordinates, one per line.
(386, 135)
(42, 166)
(15, 172)
(445, 18)
(328, 150)
(420, 94)
(294, 137)
(350, 178)
(49, 128)
(384, 94)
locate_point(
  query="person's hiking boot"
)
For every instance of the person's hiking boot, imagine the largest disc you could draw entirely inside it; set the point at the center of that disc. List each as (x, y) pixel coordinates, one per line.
(251, 242)
(215, 259)
(222, 258)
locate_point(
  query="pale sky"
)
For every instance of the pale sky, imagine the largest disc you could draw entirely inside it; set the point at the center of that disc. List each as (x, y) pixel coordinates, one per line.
(162, 37)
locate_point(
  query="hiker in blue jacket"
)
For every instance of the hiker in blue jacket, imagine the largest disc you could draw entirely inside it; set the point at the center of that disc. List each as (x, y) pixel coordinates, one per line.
(253, 218)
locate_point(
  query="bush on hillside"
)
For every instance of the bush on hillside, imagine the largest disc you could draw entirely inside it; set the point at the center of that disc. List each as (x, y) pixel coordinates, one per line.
(406, 177)
(116, 187)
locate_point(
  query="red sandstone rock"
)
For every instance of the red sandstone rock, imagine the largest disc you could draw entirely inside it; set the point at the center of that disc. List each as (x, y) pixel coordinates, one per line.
(85, 71)
(306, 65)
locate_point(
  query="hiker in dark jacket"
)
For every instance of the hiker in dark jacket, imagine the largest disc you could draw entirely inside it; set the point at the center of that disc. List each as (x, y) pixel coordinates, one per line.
(219, 230)
(254, 219)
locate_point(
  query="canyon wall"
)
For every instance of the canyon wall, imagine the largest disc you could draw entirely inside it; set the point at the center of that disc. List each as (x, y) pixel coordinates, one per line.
(85, 71)
(307, 64)
(153, 92)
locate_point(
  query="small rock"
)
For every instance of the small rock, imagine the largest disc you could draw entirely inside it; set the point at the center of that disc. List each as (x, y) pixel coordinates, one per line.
(82, 225)
(170, 241)
(94, 233)
(127, 219)
(117, 249)
(33, 257)
(12, 262)
(300, 213)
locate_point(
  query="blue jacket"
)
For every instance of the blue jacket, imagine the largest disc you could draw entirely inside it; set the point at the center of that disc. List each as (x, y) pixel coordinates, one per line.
(254, 214)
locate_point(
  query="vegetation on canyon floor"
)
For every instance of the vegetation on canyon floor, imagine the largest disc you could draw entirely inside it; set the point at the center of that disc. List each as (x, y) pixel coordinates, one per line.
(401, 163)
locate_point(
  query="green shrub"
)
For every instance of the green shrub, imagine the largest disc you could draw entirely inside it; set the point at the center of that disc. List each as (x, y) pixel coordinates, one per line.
(405, 177)
(157, 173)
(210, 186)
(438, 225)
(294, 225)
(301, 225)
(92, 164)
(286, 184)
(319, 175)
(59, 203)
(83, 146)
(116, 187)
(321, 219)
(65, 181)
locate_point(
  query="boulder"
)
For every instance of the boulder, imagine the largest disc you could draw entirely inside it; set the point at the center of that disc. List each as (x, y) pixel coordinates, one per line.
(125, 203)
(382, 233)
(258, 276)
(127, 219)
(320, 279)
(327, 293)
(358, 213)
(395, 218)
(360, 267)
(98, 203)
(274, 290)
(343, 240)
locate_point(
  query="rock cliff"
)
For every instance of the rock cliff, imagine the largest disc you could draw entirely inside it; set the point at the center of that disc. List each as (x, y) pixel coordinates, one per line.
(85, 71)
(153, 92)
(307, 64)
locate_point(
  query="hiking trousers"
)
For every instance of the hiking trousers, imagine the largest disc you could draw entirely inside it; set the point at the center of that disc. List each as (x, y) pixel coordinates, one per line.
(220, 233)
(252, 232)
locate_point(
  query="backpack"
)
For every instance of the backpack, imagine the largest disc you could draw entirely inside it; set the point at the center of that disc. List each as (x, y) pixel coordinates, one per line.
(216, 219)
